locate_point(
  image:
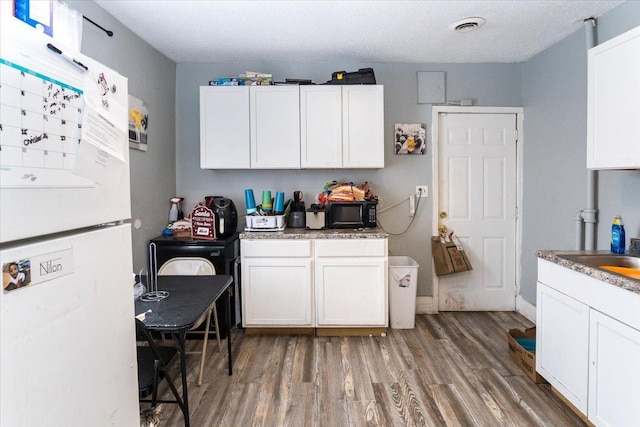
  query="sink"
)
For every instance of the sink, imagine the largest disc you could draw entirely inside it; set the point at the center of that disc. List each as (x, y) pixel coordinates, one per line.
(608, 260)
(621, 264)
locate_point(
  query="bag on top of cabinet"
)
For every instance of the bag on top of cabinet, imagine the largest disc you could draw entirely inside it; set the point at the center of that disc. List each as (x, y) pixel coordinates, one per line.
(364, 76)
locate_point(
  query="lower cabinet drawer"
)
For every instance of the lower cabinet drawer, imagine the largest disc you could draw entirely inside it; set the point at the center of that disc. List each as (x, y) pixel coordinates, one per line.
(272, 248)
(350, 248)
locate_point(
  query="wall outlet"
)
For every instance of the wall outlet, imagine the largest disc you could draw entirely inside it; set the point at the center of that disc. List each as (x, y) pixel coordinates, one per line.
(422, 191)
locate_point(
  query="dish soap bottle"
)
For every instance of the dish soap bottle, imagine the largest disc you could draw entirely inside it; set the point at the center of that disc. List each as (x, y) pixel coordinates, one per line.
(173, 212)
(617, 236)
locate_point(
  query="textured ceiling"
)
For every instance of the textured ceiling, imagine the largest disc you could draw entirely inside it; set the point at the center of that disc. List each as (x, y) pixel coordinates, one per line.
(342, 30)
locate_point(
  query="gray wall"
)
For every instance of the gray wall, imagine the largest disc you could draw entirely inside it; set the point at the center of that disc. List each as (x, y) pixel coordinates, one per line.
(152, 78)
(551, 87)
(555, 174)
(486, 84)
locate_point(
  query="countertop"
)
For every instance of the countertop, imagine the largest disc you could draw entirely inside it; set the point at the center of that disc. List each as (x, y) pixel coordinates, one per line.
(621, 281)
(303, 233)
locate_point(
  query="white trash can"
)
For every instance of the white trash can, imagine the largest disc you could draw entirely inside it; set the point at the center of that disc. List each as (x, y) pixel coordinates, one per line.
(403, 279)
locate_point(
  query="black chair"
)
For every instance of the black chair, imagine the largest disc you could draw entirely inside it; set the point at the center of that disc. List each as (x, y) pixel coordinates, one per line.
(152, 368)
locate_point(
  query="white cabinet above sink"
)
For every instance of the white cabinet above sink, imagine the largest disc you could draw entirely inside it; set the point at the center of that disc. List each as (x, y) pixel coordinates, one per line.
(613, 125)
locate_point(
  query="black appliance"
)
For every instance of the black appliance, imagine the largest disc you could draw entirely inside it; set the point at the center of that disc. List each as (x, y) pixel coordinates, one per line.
(356, 214)
(224, 254)
(226, 215)
(298, 214)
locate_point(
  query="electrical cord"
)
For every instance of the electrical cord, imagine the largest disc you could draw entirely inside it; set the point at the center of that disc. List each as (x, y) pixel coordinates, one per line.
(412, 218)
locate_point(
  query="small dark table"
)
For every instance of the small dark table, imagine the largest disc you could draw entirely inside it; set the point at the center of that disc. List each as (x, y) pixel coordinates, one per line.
(190, 297)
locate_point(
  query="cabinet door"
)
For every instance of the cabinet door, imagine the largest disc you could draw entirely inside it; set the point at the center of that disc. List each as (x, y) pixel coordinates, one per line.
(562, 344)
(275, 127)
(363, 126)
(277, 292)
(321, 126)
(351, 291)
(613, 105)
(614, 372)
(224, 127)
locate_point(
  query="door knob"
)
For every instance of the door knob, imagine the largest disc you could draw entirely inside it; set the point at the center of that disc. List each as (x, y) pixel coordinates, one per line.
(443, 229)
(443, 214)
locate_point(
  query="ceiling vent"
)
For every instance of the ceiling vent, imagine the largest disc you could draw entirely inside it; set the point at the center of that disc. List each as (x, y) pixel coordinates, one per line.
(467, 24)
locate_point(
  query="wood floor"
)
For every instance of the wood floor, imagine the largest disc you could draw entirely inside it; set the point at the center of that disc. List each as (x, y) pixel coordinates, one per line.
(453, 369)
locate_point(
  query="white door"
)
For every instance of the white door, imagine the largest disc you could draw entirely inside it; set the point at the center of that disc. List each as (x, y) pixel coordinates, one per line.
(477, 201)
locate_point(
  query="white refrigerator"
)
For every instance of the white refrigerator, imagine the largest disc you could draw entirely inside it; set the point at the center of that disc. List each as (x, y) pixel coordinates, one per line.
(67, 331)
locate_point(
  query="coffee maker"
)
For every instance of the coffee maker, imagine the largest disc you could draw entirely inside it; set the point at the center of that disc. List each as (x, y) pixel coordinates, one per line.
(226, 215)
(297, 216)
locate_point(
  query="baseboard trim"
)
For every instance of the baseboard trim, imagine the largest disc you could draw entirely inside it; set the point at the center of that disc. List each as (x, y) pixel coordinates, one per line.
(525, 308)
(426, 305)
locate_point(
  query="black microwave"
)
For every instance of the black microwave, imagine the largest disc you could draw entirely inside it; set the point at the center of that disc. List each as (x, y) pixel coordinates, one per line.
(352, 214)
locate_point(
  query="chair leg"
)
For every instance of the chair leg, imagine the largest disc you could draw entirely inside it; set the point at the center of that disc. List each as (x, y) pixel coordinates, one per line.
(154, 392)
(204, 347)
(215, 320)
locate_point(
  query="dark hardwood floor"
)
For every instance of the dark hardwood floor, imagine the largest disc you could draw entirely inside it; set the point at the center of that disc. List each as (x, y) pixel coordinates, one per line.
(453, 369)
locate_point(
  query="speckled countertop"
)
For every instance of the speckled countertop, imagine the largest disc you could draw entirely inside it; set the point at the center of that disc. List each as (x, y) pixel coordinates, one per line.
(303, 233)
(557, 257)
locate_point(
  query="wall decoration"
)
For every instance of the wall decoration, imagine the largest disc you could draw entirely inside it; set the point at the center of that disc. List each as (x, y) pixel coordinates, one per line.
(410, 139)
(138, 122)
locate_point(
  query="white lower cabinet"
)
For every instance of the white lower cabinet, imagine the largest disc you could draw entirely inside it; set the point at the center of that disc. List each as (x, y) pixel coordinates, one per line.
(314, 283)
(614, 372)
(351, 283)
(277, 283)
(588, 344)
(562, 344)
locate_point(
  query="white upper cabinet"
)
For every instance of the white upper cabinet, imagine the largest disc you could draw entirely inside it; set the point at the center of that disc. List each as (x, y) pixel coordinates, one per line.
(342, 126)
(321, 126)
(613, 132)
(275, 127)
(363, 126)
(224, 127)
(291, 127)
